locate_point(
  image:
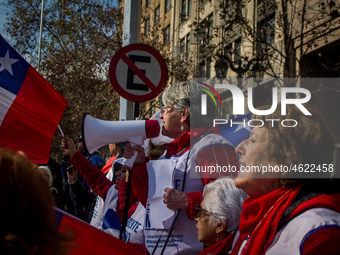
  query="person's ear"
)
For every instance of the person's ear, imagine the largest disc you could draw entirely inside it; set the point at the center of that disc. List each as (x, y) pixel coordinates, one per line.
(185, 115)
(221, 227)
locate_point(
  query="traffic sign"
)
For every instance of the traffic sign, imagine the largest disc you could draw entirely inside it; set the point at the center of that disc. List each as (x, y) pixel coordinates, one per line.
(138, 72)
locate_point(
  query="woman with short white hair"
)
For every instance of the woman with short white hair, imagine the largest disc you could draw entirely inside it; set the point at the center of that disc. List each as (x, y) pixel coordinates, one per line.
(46, 173)
(218, 215)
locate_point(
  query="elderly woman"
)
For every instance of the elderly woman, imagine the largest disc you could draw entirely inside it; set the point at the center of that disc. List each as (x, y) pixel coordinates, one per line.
(193, 145)
(46, 173)
(287, 213)
(218, 216)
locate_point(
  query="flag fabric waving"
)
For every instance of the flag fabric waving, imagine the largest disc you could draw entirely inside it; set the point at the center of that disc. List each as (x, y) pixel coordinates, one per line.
(91, 240)
(236, 130)
(30, 108)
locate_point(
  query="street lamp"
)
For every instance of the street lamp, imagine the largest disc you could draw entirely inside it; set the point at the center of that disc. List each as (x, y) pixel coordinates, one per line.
(221, 68)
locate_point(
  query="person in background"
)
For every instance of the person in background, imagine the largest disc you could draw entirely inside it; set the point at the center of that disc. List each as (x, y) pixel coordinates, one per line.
(82, 199)
(115, 150)
(103, 187)
(28, 224)
(94, 158)
(218, 215)
(57, 182)
(64, 164)
(46, 173)
(289, 212)
(110, 168)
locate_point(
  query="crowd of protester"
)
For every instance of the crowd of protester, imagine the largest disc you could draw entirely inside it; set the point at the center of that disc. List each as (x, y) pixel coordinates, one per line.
(71, 192)
(201, 213)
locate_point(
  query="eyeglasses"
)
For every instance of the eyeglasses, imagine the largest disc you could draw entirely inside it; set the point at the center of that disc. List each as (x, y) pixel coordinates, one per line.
(166, 109)
(199, 211)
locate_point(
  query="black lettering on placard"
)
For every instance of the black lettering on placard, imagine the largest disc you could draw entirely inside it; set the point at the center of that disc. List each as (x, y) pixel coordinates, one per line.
(130, 75)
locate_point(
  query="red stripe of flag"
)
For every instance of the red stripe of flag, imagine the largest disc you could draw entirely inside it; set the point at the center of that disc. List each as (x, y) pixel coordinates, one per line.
(92, 240)
(32, 119)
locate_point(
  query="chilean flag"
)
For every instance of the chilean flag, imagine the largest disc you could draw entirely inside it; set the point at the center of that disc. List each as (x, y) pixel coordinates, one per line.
(30, 108)
(91, 240)
(235, 130)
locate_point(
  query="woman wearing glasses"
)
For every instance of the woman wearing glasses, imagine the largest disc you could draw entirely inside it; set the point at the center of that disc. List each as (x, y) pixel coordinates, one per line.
(218, 215)
(194, 145)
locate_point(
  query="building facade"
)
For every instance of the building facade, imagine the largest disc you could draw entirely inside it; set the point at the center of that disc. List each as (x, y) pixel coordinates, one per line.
(269, 39)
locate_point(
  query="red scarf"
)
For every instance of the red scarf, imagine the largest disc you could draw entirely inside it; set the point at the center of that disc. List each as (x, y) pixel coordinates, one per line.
(181, 144)
(260, 218)
(222, 246)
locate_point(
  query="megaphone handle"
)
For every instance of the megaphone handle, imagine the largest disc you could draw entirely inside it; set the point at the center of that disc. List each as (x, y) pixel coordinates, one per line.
(129, 162)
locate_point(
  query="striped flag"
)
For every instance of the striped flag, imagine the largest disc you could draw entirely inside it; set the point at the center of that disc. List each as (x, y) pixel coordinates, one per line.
(30, 108)
(91, 240)
(236, 130)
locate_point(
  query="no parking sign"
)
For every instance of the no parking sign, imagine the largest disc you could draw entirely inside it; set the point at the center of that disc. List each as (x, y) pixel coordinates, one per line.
(138, 72)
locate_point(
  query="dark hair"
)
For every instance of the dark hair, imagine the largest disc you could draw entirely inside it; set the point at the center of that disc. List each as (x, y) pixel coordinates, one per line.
(309, 142)
(28, 224)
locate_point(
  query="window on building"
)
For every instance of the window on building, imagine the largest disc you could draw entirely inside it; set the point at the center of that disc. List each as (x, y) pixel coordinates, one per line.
(148, 2)
(239, 6)
(265, 24)
(184, 8)
(187, 46)
(237, 50)
(167, 5)
(210, 22)
(147, 26)
(227, 51)
(157, 14)
(207, 34)
(205, 69)
(208, 71)
(167, 34)
(202, 69)
(182, 46)
(266, 32)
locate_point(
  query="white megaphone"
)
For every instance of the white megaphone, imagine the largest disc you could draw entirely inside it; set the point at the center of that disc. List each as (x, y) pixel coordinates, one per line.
(99, 133)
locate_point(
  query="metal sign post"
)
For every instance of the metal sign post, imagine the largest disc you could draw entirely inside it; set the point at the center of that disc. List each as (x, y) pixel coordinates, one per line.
(131, 32)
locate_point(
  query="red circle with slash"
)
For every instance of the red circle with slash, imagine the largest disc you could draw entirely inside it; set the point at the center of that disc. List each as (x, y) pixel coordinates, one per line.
(138, 72)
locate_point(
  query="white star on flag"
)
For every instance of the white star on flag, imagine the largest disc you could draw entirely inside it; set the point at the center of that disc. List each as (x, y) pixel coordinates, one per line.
(242, 124)
(7, 62)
